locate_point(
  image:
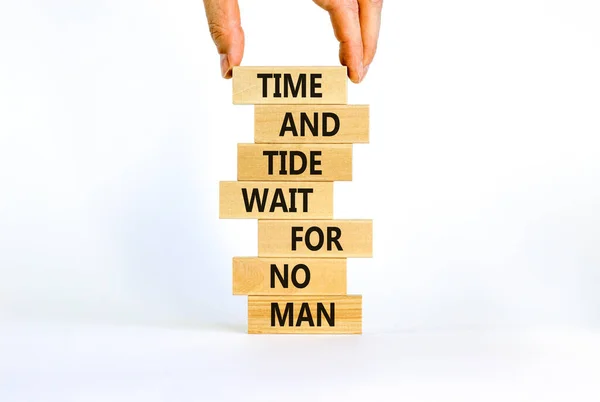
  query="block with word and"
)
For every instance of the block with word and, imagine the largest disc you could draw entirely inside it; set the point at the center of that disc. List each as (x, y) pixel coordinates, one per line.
(318, 124)
(305, 314)
(289, 276)
(275, 200)
(289, 85)
(315, 238)
(295, 162)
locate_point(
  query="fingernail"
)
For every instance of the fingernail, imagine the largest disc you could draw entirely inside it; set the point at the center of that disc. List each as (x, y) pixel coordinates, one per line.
(361, 72)
(225, 66)
(365, 70)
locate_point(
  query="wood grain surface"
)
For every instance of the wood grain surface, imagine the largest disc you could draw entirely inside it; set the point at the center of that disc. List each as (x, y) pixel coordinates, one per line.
(327, 238)
(333, 161)
(295, 314)
(293, 85)
(318, 124)
(275, 200)
(262, 276)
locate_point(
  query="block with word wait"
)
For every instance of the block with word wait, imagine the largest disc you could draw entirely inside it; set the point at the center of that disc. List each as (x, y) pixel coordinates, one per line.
(289, 85)
(289, 276)
(275, 200)
(297, 162)
(305, 314)
(315, 238)
(333, 124)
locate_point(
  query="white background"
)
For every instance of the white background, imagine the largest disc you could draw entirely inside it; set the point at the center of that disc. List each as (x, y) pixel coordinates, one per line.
(482, 177)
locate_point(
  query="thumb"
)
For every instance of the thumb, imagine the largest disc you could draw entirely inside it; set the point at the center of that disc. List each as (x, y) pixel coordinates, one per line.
(226, 31)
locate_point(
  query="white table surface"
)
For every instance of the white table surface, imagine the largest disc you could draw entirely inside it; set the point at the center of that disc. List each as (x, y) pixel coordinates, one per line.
(100, 362)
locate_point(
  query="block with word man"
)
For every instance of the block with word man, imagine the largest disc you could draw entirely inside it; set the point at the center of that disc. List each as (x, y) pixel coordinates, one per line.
(305, 314)
(304, 132)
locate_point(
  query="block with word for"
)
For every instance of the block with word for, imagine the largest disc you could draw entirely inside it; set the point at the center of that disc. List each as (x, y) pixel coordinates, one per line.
(275, 200)
(315, 238)
(333, 124)
(289, 276)
(305, 314)
(289, 85)
(297, 162)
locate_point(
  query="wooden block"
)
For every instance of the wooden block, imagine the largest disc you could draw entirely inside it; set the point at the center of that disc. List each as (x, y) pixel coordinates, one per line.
(275, 200)
(299, 162)
(289, 276)
(290, 85)
(333, 124)
(305, 314)
(315, 238)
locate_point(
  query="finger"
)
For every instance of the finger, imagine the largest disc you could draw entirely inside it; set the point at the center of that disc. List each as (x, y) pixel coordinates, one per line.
(226, 31)
(370, 22)
(344, 16)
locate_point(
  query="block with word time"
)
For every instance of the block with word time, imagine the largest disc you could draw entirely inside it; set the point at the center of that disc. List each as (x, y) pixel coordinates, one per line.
(296, 162)
(275, 200)
(289, 85)
(289, 276)
(319, 124)
(315, 238)
(305, 314)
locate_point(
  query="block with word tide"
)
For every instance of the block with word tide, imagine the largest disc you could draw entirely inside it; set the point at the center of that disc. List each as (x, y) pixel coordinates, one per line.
(305, 314)
(289, 85)
(275, 200)
(315, 238)
(289, 276)
(333, 124)
(294, 162)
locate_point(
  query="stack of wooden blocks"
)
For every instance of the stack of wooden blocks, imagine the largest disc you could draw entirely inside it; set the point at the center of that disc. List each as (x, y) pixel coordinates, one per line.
(304, 131)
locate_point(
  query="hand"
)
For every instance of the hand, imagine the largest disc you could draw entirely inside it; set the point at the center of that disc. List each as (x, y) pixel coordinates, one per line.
(355, 25)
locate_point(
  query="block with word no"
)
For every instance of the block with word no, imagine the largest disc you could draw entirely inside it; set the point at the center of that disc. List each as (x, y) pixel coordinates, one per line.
(289, 276)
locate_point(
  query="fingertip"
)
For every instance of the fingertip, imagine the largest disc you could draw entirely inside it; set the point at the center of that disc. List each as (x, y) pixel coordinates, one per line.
(225, 66)
(361, 72)
(365, 71)
(231, 59)
(355, 74)
(353, 64)
(358, 73)
(236, 51)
